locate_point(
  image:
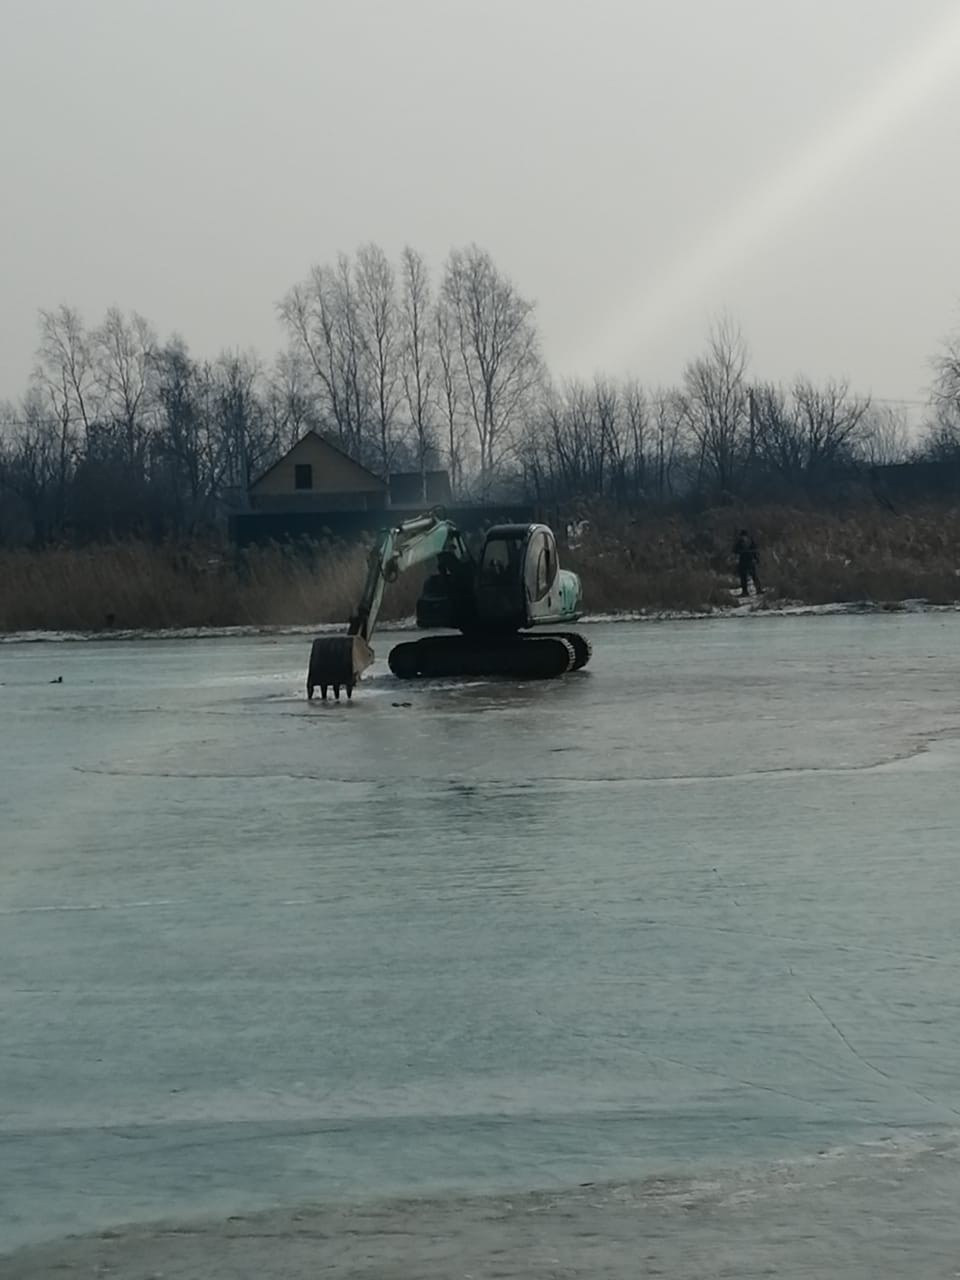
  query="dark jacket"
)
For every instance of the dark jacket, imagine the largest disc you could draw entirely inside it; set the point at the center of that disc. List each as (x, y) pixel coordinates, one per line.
(745, 549)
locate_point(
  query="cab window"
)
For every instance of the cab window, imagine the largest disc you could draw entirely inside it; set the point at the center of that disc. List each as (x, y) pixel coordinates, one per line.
(544, 559)
(500, 557)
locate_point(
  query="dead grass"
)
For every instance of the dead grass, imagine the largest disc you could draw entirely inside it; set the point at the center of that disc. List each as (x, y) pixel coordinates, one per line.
(135, 585)
(649, 563)
(870, 554)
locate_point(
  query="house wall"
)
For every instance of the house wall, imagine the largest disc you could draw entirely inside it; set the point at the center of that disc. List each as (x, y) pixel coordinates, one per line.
(310, 500)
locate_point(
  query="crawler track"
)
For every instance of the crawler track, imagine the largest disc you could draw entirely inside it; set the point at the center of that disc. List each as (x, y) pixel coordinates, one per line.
(582, 651)
(520, 657)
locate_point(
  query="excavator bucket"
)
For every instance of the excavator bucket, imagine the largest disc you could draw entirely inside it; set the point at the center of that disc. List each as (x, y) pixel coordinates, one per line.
(337, 662)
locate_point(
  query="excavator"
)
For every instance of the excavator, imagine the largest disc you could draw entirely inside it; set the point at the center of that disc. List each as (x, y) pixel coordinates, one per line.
(493, 602)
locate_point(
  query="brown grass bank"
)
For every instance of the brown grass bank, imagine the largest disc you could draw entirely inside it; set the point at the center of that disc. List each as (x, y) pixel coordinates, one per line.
(136, 585)
(869, 554)
(653, 562)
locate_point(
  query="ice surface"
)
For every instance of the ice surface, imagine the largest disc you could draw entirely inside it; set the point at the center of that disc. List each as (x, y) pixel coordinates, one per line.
(678, 916)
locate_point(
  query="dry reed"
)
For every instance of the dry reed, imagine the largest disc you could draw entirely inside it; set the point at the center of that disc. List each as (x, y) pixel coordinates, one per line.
(654, 562)
(865, 555)
(134, 585)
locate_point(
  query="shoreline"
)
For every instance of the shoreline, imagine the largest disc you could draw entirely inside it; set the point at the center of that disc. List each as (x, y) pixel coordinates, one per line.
(609, 617)
(747, 609)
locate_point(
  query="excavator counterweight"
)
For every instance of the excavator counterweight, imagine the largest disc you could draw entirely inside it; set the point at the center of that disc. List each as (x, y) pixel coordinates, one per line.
(516, 585)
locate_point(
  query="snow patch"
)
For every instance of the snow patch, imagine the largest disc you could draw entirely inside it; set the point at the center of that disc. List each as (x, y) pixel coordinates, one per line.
(754, 607)
(760, 609)
(193, 633)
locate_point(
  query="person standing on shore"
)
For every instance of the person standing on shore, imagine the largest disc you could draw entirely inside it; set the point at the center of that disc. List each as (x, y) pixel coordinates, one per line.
(748, 557)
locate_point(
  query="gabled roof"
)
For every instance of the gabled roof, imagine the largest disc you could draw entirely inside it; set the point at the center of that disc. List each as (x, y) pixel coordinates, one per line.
(335, 448)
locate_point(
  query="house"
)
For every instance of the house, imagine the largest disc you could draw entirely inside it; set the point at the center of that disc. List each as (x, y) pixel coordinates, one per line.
(317, 476)
(316, 491)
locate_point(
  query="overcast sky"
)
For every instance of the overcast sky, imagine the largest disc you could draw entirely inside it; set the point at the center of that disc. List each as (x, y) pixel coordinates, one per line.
(636, 166)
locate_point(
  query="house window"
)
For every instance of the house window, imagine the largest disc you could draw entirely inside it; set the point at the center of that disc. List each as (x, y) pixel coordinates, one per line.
(303, 475)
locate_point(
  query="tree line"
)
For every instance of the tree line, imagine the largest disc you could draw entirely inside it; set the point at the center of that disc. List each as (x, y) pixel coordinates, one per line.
(121, 432)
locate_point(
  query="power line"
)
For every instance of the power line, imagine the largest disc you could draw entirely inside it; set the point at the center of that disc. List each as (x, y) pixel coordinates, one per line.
(917, 404)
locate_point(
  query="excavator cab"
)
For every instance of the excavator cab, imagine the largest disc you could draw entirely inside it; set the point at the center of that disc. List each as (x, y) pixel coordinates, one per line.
(520, 583)
(500, 579)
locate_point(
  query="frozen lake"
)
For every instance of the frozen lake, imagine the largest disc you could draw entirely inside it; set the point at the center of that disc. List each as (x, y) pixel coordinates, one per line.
(687, 918)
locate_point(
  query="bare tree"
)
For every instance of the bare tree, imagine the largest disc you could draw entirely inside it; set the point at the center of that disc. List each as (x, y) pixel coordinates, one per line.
(637, 415)
(354, 364)
(941, 439)
(667, 414)
(322, 317)
(567, 417)
(941, 434)
(449, 393)
(498, 353)
(577, 440)
(123, 352)
(535, 457)
(595, 445)
(306, 314)
(716, 407)
(884, 439)
(290, 402)
(810, 435)
(603, 440)
(580, 443)
(64, 374)
(244, 441)
(776, 436)
(377, 311)
(186, 455)
(418, 364)
(831, 421)
(29, 461)
(474, 357)
(946, 385)
(65, 364)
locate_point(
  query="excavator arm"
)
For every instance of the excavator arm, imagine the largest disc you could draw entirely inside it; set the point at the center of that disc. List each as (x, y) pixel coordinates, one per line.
(396, 551)
(339, 661)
